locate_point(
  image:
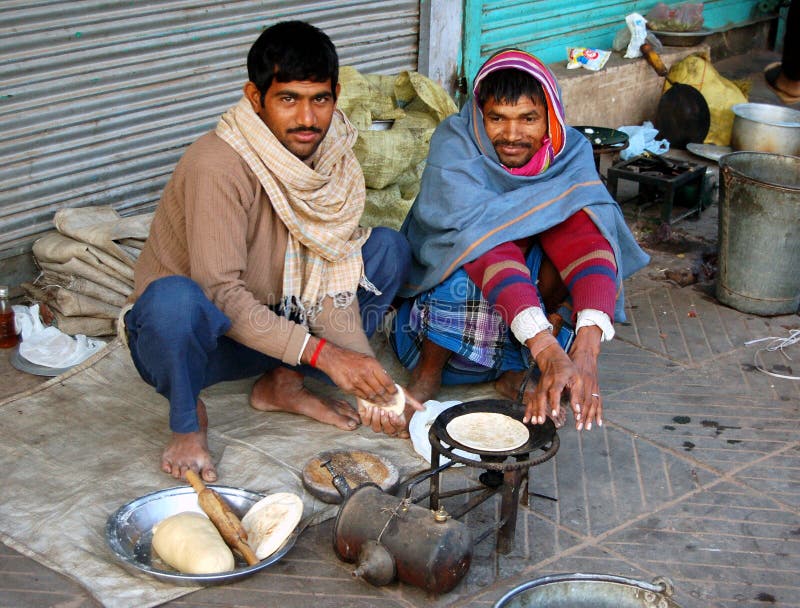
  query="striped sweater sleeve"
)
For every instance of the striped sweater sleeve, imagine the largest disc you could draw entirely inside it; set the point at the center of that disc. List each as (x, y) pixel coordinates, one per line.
(585, 261)
(504, 279)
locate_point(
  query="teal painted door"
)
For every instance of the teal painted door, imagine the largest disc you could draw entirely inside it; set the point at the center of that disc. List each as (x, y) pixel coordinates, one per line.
(547, 27)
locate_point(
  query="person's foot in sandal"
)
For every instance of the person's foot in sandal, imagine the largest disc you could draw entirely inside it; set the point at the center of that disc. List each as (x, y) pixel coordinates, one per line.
(788, 91)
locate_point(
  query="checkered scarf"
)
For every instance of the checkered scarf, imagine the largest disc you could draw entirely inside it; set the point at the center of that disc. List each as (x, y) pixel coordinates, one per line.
(321, 208)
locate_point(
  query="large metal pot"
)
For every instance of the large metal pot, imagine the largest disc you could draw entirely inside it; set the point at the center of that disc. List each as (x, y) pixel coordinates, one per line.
(761, 127)
(589, 591)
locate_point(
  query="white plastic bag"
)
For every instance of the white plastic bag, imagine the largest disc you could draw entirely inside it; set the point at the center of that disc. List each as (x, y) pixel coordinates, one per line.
(641, 138)
(638, 28)
(49, 346)
(420, 424)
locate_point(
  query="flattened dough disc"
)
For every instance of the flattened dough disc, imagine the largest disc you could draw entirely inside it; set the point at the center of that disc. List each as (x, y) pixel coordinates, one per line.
(357, 468)
(488, 431)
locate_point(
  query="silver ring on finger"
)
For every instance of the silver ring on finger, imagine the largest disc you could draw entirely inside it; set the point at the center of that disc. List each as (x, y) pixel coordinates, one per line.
(595, 395)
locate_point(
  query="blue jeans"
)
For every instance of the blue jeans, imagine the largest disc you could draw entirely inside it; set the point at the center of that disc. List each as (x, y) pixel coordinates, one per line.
(177, 336)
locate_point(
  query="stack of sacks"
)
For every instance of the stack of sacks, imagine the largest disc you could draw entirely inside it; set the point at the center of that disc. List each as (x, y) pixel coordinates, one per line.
(87, 268)
(393, 159)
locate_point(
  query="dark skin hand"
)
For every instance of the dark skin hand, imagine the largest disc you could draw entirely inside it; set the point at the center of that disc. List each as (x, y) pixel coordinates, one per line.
(575, 376)
(353, 372)
(382, 421)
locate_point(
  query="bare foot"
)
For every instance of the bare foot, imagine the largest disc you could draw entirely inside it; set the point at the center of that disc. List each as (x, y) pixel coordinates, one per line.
(282, 390)
(508, 385)
(190, 451)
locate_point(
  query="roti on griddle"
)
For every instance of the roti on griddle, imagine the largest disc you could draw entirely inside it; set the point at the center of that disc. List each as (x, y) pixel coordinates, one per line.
(488, 431)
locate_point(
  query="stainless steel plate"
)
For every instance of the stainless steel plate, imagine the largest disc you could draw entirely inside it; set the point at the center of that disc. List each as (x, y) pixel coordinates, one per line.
(23, 365)
(682, 38)
(129, 533)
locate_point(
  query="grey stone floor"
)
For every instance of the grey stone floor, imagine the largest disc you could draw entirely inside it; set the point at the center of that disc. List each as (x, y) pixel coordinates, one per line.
(695, 475)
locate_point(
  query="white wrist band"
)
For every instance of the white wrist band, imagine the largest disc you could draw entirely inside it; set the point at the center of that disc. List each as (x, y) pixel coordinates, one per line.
(590, 316)
(530, 322)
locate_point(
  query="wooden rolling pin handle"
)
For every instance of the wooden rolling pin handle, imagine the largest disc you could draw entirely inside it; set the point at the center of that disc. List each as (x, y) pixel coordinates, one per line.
(225, 520)
(194, 479)
(654, 59)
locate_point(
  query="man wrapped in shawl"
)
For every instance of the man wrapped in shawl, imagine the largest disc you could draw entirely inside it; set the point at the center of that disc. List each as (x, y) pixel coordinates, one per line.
(519, 251)
(256, 264)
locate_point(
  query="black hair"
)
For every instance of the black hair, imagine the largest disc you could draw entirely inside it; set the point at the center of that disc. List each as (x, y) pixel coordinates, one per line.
(508, 86)
(292, 50)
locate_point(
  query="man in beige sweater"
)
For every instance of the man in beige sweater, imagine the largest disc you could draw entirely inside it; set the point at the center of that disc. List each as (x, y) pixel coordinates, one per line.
(255, 263)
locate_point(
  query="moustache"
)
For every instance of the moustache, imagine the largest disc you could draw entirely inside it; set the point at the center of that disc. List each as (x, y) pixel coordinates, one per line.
(305, 130)
(516, 144)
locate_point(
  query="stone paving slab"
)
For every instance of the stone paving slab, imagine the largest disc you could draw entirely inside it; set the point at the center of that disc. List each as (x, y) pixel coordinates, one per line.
(728, 544)
(722, 424)
(688, 326)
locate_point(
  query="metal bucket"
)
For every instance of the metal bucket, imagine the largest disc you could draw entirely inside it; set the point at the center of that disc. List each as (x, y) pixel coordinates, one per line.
(589, 591)
(759, 233)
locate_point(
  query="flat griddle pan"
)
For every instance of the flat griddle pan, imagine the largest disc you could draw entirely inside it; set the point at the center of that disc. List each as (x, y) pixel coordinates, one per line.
(682, 116)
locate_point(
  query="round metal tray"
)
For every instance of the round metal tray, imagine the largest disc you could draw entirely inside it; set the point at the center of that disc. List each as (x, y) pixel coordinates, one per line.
(129, 533)
(681, 38)
(22, 364)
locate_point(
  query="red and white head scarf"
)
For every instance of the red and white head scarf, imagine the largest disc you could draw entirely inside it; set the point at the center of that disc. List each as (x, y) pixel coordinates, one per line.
(553, 143)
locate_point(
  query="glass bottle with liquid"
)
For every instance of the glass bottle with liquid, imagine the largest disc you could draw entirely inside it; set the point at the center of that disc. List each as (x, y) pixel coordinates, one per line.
(8, 334)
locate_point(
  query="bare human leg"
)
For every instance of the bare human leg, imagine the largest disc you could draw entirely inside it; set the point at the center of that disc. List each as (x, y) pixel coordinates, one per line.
(190, 451)
(426, 377)
(282, 390)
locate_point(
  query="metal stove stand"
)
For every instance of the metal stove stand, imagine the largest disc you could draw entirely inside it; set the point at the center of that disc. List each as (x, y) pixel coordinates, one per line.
(504, 472)
(667, 177)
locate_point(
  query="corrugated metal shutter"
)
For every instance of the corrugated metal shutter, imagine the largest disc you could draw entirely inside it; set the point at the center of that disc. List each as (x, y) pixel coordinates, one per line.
(98, 98)
(547, 27)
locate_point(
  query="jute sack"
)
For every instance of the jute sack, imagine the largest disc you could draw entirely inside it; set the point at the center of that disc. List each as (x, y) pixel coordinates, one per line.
(71, 303)
(102, 226)
(78, 269)
(82, 285)
(57, 248)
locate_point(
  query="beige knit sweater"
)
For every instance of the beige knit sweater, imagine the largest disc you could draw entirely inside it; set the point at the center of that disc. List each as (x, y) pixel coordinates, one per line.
(215, 225)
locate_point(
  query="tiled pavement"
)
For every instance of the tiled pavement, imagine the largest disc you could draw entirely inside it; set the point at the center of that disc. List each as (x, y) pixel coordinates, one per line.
(695, 476)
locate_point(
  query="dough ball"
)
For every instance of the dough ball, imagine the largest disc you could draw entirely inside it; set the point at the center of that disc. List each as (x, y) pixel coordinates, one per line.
(398, 404)
(191, 544)
(270, 521)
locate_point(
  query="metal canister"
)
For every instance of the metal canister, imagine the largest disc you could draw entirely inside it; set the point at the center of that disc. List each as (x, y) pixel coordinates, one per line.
(429, 551)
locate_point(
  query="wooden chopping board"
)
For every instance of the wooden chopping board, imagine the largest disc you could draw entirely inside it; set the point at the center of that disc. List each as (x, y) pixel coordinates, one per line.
(355, 466)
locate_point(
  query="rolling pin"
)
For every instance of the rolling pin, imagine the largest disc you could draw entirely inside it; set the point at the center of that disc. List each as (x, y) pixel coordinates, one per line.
(225, 520)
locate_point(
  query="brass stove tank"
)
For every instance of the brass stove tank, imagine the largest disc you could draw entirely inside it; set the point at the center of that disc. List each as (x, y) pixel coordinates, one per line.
(389, 537)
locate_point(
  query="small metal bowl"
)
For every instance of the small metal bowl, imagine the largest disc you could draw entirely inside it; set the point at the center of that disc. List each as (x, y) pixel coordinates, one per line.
(129, 533)
(382, 125)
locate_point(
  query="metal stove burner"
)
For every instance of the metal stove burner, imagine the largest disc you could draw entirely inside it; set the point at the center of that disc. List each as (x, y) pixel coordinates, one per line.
(504, 471)
(666, 178)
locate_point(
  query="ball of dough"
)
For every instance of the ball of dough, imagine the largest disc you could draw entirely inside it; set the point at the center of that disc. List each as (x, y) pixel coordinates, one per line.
(398, 404)
(271, 520)
(191, 544)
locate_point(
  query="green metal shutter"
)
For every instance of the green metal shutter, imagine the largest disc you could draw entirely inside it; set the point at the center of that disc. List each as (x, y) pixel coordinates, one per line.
(547, 27)
(98, 98)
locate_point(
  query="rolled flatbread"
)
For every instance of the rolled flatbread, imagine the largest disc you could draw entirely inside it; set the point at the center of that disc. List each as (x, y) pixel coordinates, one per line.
(271, 520)
(191, 544)
(488, 431)
(398, 404)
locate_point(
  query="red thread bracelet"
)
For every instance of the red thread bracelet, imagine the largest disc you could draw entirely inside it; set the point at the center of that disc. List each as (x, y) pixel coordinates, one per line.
(317, 351)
